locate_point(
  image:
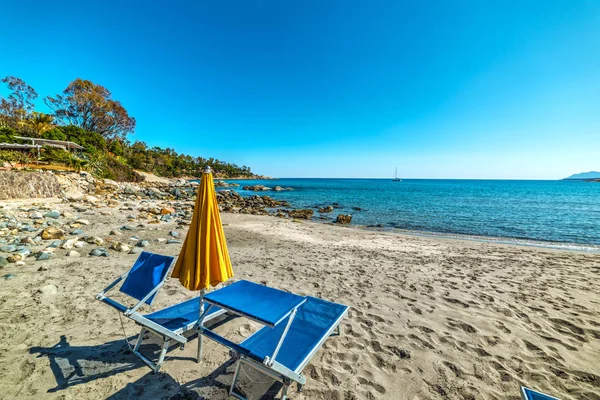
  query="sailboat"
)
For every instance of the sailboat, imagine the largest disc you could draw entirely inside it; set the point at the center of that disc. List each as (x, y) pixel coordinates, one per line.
(396, 179)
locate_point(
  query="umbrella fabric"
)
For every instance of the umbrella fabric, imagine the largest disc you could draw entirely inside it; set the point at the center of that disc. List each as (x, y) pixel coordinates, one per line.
(204, 258)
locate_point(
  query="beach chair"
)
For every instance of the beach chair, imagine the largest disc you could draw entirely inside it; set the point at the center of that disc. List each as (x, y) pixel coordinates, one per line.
(142, 282)
(530, 394)
(295, 329)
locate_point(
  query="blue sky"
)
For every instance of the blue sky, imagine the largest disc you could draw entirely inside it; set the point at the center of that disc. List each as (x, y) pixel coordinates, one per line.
(440, 89)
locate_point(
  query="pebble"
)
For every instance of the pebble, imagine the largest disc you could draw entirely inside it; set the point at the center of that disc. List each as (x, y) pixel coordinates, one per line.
(43, 268)
(3, 261)
(127, 228)
(161, 240)
(36, 215)
(172, 241)
(77, 232)
(136, 250)
(83, 221)
(55, 244)
(143, 243)
(27, 240)
(174, 233)
(52, 233)
(80, 244)
(73, 253)
(122, 247)
(15, 258)
(99, 252)
(95, 240)
(44, 255)
(115, 233)
(8, 248)
(53, 214)
(49, 290)
(20, 263)
(9, 276)
(68, 244)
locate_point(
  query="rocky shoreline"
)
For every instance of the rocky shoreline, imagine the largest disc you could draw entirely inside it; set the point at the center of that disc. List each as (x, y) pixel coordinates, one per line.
(38, 231)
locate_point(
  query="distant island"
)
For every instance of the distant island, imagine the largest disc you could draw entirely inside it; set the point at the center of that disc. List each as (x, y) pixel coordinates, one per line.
(584, 176)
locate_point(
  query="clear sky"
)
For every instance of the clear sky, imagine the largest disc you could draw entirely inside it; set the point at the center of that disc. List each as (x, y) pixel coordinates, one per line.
(313, 88)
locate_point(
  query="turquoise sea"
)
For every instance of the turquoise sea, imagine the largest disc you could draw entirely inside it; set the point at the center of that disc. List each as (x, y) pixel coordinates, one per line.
(547, 213)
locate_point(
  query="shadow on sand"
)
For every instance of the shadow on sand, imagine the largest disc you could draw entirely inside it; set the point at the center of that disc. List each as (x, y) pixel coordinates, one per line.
(76, 365)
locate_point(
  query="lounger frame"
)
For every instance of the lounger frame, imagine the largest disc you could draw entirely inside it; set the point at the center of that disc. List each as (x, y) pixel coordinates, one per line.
(277, 371)
(151, 327)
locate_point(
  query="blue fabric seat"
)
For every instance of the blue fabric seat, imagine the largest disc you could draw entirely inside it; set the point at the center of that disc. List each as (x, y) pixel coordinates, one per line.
(146, 274)
(529, 394)
(261, 303)
(179, 316)
(142, 282)
(313, 323)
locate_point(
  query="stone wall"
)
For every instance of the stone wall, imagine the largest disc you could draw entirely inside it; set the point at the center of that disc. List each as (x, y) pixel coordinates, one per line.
(23, 185)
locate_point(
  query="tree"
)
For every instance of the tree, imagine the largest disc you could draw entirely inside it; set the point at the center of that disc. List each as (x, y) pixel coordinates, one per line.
(7, 135)
(19, 104)
(38, 123)
(89, 106)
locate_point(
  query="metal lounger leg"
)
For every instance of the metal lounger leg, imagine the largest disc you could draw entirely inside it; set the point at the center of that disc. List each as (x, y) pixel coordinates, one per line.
(139, 339)
(199, 358)
(163, 353)
(235, 378)
(284, 391)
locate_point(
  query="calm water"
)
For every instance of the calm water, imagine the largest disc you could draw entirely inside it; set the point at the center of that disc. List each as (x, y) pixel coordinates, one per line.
(563, 212)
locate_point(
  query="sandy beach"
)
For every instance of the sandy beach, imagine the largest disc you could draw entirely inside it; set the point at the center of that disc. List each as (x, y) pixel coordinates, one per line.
(429, 318)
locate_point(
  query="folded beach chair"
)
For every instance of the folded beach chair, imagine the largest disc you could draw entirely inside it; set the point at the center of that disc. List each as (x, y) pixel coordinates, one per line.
(142, 282)
(529, 394)
(287, 342)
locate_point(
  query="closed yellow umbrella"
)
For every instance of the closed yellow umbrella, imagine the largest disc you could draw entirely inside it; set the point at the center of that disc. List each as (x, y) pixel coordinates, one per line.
(204, 258)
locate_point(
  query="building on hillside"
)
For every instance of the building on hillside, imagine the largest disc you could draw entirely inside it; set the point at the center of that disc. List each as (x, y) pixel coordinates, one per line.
(61, 144)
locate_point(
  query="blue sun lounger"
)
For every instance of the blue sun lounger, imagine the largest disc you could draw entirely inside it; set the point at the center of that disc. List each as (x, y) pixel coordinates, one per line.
(142, 282)
(295, 329)
(529, 394)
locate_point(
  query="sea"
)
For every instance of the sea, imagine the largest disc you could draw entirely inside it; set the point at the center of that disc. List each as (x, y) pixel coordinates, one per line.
(555, 214)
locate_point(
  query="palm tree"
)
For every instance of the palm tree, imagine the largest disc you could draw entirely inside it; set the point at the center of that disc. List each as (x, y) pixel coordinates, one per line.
(40, 123)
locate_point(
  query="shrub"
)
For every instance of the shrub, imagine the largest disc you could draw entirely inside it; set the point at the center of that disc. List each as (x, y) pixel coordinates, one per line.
(54, 134)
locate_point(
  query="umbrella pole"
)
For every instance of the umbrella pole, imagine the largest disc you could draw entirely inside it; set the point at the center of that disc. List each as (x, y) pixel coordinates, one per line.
(199, 358)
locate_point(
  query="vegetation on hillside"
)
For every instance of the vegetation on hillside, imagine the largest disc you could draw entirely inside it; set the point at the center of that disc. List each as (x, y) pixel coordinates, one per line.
(86, 114)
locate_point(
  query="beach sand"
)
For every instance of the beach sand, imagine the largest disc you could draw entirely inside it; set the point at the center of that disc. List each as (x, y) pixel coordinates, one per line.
(429, 318)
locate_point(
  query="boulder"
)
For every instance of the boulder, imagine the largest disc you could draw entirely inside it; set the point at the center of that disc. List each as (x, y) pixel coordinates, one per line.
(74, 195)
(53, 233)
(52, 214)
(301, 214)
(343, 219)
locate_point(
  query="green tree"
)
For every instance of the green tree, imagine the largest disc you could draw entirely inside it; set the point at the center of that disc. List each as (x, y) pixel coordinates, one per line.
(7, 135)
(38, 123)
(19, 104)
(54, 134)
(90, 107)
